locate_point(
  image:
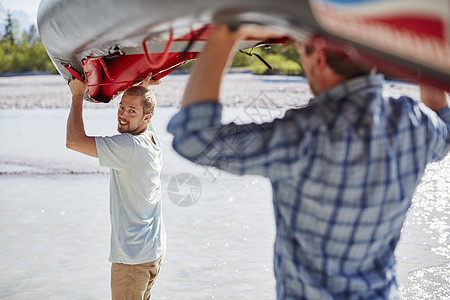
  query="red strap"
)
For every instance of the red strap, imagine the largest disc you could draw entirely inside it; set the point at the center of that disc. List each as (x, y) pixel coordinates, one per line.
(163, 60)
(105, 68)
(74, 73)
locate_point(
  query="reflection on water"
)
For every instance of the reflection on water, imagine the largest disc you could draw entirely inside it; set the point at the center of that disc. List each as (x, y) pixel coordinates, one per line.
(424, 249)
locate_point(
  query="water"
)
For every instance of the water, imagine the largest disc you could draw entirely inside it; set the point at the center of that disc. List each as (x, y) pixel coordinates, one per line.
(54, 223)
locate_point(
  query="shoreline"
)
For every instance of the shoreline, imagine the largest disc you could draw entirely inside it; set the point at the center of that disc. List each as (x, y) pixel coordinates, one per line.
(50, 91)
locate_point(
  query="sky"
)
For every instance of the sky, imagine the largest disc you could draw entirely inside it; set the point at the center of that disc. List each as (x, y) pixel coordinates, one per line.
(23, 11)
(27, 6)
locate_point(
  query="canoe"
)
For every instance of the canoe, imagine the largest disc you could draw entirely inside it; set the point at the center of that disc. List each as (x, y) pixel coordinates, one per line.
(114, 44)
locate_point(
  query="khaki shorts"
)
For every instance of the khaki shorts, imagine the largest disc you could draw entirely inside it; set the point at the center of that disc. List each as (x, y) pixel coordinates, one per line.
(130, 282)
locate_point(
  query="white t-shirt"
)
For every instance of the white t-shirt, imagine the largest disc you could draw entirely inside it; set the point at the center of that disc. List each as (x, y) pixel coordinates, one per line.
(138, 234)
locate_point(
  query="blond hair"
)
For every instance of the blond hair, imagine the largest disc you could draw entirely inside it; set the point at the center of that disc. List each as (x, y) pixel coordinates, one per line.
(147, 96)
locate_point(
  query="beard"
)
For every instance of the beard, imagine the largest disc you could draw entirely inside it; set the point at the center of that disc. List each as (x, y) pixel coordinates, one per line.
(128, 128)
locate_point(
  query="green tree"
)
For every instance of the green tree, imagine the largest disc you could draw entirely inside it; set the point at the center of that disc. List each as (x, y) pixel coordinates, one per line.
(284, 63)
(31, 36)
(8, 35)
(22, 52)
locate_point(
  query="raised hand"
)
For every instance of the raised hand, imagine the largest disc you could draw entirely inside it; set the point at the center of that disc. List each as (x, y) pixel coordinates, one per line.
(149, 81)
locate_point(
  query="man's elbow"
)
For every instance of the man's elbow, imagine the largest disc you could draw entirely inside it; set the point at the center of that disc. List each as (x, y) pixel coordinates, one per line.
(72, 144)
(83, 145)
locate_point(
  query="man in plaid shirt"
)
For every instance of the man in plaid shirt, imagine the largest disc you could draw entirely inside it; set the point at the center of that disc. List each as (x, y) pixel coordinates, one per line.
(343, 169)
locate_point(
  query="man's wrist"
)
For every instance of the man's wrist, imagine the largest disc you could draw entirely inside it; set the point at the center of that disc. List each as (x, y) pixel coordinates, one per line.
(223, 34)
(77, 98)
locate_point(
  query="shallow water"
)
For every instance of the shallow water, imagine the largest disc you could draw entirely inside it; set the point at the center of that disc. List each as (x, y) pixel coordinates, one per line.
(54, 223)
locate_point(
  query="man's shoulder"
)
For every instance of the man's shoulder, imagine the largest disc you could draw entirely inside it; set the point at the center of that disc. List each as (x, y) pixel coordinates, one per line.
(125, 140)
(406, 105)
(120, 137)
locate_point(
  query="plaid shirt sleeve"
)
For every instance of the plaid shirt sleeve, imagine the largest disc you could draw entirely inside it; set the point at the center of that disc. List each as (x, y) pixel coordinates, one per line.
(268, 149)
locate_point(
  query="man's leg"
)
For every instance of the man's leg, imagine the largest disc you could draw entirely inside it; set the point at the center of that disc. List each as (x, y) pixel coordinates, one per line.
(134, 281)
(153, 268)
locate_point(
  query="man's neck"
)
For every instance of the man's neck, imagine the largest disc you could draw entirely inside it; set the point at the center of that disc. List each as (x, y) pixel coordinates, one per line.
(328, 81)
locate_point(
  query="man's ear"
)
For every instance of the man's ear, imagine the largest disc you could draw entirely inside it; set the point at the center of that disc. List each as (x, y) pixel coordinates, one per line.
(148, 117)
(321, 58)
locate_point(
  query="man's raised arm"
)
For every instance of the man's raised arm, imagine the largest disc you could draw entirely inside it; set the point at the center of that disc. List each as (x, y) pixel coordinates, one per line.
(76, 138)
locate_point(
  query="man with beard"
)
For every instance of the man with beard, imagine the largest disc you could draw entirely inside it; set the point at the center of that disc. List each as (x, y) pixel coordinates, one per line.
(138, 236)
(343, 169)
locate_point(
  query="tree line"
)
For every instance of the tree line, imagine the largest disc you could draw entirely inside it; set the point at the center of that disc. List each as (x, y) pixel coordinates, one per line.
(22, 52)
(281, 62)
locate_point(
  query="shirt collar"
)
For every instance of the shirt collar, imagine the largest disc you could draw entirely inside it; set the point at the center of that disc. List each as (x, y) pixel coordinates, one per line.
(348, 88)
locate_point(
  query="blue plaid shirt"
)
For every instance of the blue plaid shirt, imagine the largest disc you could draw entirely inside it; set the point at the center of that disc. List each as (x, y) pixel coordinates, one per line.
(343, 172)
